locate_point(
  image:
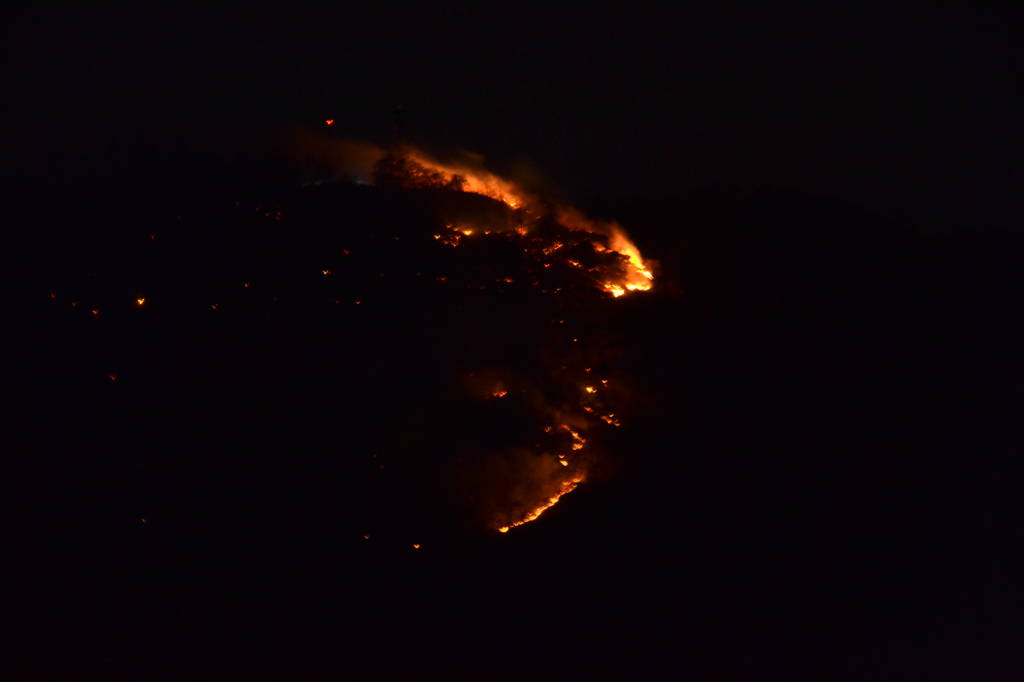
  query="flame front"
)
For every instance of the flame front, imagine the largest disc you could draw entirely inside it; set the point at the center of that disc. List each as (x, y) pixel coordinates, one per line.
(425, 171)
(562, 248)
(475, 181)
(567, 487)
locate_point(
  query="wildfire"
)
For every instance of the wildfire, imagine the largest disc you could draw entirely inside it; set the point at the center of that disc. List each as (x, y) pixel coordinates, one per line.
(416, 169)
(566, 487)
(473, 180)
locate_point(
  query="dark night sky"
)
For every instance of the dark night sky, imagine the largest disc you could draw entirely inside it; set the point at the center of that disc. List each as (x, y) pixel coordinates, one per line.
(911, 113)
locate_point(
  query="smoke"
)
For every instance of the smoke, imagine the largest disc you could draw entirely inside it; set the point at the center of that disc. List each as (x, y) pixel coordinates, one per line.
(335, 158)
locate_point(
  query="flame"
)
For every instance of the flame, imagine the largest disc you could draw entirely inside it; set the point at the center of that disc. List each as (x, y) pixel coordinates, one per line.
(565, 488)
(329, 122)
(474, 180)
(422, 170)
(140, 301)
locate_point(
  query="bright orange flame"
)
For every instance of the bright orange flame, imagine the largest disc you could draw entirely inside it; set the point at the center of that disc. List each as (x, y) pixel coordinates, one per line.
(141, 300)
(468, 178)
(329, 122)
(476, 181)
(566, 487)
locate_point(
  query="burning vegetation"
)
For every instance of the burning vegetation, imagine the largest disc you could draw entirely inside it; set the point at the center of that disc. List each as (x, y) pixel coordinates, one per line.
(562, 252)
(464, 315)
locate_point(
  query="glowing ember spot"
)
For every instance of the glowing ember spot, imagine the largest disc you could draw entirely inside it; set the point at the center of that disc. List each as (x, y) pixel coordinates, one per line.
(566, 487)
(95, 312)
(611, 420)
(325, 273)
(112, 377)
(466, 232)
(329, 122)
(213, 306)
(563, 462)
(590, 389)
(141, 300)
(415, 545)
(245, 285)
(499, 393)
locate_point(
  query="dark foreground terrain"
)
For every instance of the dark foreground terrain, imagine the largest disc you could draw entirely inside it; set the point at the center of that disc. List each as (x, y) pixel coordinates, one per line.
(815, 477)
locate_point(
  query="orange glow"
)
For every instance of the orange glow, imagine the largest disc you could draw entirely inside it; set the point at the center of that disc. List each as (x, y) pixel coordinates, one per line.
(566, 487)
(590, 389)
(141, 300)
(611, 420)
(415, 545)
(473, 180)
(325, 273)
(329, 122)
